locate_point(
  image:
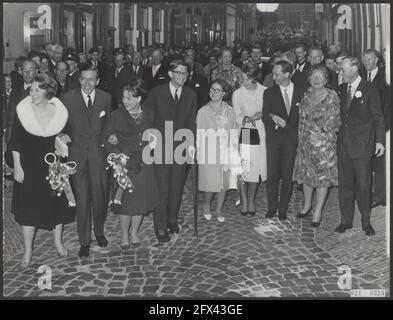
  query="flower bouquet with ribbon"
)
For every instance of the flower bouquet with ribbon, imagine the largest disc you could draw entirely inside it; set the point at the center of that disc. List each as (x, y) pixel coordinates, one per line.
(118, 162)
(59, 177)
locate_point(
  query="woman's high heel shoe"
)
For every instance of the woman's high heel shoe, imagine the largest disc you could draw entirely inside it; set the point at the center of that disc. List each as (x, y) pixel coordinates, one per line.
(316, 224)
(302, 215)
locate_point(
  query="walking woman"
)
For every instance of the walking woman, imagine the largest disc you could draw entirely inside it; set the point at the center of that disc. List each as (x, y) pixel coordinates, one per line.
(248, 104)
(214, 124)
(123, 135)
(40, 118)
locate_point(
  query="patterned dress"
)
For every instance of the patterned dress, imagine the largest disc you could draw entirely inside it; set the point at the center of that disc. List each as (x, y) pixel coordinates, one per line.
(232, 75)
(316, 159)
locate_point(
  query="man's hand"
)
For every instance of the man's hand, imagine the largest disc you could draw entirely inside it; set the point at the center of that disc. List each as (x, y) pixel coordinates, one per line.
(379, 149)
(64, 138)
(278, 121)
(19, 174)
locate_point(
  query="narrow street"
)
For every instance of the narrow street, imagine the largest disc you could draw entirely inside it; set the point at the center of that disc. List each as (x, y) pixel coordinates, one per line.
(244, 257)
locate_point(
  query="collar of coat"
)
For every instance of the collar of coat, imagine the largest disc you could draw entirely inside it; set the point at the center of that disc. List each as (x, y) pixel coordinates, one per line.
(29, 121)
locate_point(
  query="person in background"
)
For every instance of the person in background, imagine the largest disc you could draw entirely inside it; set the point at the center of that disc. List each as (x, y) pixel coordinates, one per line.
(226, 70)
(376, 75)
(61, 74)
(213, 64)
(256, 57)
(73, 75)
(316, 159)
(195, 67)
(44, 66)
(243, 59)
(36, 57)
(128, 124)
(214, 174)
(16, 74)
(82, 58)
(248, 105)
(300, 77)
(157, 73)
(101, 67)
(137, 69)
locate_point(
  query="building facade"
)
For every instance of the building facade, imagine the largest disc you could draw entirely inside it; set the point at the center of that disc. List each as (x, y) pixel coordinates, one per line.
(297, 16)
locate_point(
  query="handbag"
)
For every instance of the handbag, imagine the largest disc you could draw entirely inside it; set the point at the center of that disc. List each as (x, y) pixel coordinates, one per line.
(249, 136)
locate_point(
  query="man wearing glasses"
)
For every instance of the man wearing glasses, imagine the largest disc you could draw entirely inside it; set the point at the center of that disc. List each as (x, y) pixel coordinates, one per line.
(173, 105)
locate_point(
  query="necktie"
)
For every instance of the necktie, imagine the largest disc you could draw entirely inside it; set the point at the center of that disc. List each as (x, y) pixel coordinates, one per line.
(369, 77)
(135, 69)
(89, 103)
(117, 72)
(287, 103)
(176, 96)
(349, 96)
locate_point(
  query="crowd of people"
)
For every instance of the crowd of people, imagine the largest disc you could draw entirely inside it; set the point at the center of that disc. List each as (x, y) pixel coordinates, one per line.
(300, 112)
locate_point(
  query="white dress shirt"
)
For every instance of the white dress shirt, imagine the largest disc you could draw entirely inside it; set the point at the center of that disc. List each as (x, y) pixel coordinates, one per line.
(173, 89)
(86, 98)
(25, 85)
(354, 85)
(300, 67)
(373, 74)
(155, 69)
(289, 92)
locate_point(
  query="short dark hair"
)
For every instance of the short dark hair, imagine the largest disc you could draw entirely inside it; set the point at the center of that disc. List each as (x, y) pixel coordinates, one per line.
(46, 83)
(19, 62)
(368, 51)
(34, 54)
(301, 45)
(332, 56)
(224, 86)
(285, 66)
(88, 66)
(94, 49)
(252, 71)
(256, 46)
(136, 87)
(175, 63)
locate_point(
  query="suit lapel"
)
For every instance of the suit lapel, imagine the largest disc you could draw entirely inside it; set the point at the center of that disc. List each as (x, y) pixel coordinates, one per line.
(82, 105)
(280, 98)
(96, 108)
(360, 88)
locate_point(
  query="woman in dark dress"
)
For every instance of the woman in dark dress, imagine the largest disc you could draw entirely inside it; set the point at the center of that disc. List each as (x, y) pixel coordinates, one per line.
(123, 134)
(40, 118)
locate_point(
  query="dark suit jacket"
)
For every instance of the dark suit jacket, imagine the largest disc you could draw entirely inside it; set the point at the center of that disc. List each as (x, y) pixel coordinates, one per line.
(380, 82)
(182, 113)
(102, 74)
(115, 85)
(86, 132)
(362, 124)
(73, 81)
(265, 70)
(199, 84)
(273, 103)
(300, 78)
(140, 72)
(160, 78)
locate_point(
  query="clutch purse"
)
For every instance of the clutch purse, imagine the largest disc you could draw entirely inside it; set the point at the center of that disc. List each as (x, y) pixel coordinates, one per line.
(249, 136)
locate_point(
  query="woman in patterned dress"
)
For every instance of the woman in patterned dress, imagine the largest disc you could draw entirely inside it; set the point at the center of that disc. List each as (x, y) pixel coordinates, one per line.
(213, 173)
(316, 160)
(227, 71)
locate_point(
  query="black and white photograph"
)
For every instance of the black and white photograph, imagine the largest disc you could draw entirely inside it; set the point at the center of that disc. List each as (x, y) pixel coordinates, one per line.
(233, 151)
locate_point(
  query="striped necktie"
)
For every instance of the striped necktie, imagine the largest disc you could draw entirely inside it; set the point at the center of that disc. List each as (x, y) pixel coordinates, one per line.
(349, 96)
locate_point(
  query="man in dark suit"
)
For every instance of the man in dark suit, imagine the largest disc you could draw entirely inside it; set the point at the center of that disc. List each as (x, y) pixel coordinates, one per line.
(281, 119)
(173, 104)
(157, 73)
(300, 77)
(101, 67)
(120, 75)
(376, 76)
(29, 71)
(137, 69)
(195, 80)
(88, 110)
(256, 57)
(361, 135)
(73, 74)
(268, 51)
(61, 76)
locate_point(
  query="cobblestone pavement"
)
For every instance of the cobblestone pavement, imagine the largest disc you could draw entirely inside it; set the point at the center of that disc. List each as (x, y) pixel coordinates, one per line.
(243, 257)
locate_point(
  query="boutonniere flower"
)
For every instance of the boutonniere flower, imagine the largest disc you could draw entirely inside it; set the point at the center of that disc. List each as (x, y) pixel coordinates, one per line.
(197, 85)
(358, 94)
(298, 104)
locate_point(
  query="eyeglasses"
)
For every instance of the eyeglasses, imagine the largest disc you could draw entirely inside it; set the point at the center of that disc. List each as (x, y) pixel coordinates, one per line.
(179, 73)
(216, 90)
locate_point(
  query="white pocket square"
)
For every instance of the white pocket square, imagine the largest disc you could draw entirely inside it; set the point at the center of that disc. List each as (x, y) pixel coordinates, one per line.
(197, 85)
(102, 114)
(161, 78)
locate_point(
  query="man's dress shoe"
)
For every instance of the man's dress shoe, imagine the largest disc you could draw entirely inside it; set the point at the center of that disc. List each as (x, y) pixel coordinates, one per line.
(369, 230)
(342, 228)
(101, 241)
(173, 228)
(84, 251)
(163, 236)
(270, 214)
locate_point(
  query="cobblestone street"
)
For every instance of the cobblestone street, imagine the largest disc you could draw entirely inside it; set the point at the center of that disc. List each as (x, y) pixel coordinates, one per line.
(243, 257)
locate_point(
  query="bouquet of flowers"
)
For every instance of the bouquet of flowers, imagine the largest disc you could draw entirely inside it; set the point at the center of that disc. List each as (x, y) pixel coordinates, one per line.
(59, 177)
(118, 162)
